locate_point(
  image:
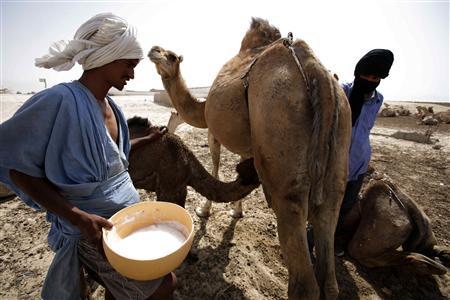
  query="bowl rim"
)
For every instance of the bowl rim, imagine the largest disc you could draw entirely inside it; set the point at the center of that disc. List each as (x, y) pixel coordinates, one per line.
(188, 238)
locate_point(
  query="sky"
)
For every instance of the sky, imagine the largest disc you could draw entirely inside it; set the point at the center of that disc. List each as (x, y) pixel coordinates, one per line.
(209, 33)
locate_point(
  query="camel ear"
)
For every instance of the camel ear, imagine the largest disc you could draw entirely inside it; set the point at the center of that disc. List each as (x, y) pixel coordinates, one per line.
(180, 58)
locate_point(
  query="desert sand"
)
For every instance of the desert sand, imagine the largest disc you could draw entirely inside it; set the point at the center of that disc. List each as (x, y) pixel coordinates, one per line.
(241, 259)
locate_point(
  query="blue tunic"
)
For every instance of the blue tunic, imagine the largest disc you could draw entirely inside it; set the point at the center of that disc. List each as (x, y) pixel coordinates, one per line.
(360, 150)
(60, 134)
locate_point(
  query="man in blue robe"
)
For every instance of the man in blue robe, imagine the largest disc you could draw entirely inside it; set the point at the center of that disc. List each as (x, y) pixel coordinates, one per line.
(65, 151)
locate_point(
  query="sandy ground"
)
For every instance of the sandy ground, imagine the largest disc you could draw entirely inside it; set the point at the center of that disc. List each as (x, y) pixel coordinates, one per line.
(241, 259)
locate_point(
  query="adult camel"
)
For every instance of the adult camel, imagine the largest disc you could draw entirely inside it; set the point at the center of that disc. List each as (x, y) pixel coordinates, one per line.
(190, 110)
(385, 219)
(276, 102)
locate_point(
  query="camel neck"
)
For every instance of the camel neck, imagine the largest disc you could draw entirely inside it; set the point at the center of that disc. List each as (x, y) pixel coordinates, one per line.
(190, 109)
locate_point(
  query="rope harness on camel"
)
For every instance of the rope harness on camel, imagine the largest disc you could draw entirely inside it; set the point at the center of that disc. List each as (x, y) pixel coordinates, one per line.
(287, 42)
(393, 195)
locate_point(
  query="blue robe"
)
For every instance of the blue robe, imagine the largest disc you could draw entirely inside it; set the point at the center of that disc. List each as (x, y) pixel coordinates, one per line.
(59, 134)
(360, 149)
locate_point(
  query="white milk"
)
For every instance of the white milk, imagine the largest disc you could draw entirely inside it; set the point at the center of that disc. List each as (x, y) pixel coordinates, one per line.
(149, 242)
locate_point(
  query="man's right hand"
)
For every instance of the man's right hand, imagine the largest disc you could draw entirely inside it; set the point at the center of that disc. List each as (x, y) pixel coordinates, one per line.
(91, 225)
(47, 195)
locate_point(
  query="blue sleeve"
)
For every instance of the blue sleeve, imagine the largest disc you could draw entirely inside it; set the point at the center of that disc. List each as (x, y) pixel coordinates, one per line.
(24, 137)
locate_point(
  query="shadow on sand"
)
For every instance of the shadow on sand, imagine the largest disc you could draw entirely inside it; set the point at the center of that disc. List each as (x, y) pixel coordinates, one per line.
(201, 275)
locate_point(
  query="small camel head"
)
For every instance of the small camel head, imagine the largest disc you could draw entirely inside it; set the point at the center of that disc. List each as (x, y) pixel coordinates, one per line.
(167, 62)
(138, 127)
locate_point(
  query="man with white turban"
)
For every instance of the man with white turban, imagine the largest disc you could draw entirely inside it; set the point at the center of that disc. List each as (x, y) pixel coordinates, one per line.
(65, 151)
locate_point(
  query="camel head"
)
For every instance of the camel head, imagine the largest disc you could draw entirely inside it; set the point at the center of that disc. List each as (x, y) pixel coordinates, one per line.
(260, 34)
(167, 62)
(138, 127)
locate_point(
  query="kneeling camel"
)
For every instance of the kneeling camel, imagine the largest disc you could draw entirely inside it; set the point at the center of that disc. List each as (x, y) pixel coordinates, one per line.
(386, 219)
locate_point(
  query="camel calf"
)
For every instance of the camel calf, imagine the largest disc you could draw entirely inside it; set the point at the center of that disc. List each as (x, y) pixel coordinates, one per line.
(166, 166)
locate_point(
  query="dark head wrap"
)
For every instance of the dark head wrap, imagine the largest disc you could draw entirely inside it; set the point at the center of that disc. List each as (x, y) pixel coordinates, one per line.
(376, 62)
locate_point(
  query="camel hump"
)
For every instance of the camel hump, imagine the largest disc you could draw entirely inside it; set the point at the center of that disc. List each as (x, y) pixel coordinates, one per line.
(260, 34)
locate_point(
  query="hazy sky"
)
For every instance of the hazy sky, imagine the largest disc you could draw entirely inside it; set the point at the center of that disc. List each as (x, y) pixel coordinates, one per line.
(208, 33)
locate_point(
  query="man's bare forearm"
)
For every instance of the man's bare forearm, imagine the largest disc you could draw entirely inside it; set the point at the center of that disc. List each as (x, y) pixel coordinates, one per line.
(45, 194)
(48, 196)
(141, 141)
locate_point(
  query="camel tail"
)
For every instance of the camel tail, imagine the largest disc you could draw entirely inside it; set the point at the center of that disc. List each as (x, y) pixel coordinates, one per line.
(218, 191)
(324, 102)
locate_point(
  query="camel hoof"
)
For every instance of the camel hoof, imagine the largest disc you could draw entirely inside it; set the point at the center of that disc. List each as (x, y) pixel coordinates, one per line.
(202, 213)
(237, 214)
(444, 256)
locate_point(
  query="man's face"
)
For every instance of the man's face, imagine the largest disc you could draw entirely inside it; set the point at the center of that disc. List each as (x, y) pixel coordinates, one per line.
(120, 71)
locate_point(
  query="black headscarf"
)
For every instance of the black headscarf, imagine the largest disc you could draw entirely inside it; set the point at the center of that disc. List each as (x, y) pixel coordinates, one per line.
(376, 62)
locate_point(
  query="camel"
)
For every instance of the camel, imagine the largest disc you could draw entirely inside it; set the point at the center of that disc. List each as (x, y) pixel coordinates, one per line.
(189, 109)
(386, 219)
(427, 116)
(393, 111)
(166, 166)
(274, 101)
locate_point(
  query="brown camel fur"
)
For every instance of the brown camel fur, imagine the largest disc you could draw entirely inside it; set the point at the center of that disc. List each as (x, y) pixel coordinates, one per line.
(175, 120)
(189, 109)
(230, 115)
(166, 166)
(294, 119)
(387, 218)
(5, 193)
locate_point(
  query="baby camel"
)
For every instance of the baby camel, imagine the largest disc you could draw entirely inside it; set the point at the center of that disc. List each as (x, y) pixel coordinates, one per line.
(166, 166)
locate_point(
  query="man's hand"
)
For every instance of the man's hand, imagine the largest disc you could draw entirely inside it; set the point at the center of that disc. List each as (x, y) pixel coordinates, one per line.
(156, 132)
(91, 226)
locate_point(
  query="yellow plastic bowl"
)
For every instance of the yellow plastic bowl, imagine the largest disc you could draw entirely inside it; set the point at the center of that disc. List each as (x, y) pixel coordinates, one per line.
(141, 215)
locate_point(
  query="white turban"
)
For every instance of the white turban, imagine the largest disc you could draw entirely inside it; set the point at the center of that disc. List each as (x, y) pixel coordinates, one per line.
(102, 39)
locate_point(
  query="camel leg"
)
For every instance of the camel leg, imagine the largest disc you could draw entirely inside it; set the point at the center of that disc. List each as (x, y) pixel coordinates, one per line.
(174, 121)
(291, 220)
(443, 253)
(324, 220)
(415, 262)
(236, 211)
(214, 148)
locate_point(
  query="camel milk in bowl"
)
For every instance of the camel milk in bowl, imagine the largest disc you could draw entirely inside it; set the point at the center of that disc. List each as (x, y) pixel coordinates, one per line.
(149, 239)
